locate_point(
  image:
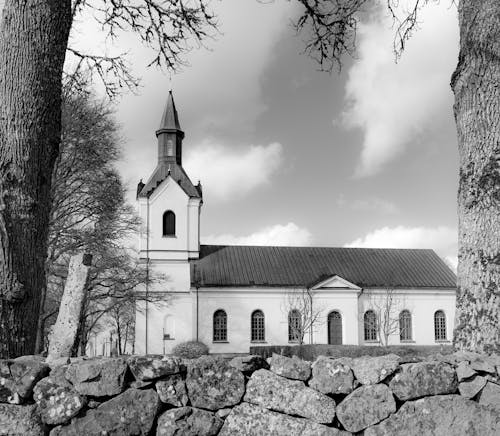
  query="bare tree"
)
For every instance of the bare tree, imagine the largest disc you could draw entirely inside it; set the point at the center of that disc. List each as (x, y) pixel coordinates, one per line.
(331, 32)
(121, 318)
(301, 314)
(31, 74)
(385, 307)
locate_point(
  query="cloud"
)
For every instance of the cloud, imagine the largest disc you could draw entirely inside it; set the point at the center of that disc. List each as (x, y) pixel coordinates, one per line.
(395, 104)
(225, 171)
(442, 239)
(278, 235)
(373, 204)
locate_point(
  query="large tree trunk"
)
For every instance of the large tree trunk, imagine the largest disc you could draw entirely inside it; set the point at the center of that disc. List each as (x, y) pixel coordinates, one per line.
(476, 85)
(33, 40)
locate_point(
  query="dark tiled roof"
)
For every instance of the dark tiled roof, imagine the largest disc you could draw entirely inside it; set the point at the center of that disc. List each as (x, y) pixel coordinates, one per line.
(178, 174)
(170, 118)
(236, 266)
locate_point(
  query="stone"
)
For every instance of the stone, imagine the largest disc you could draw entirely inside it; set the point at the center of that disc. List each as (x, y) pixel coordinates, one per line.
(140, 384)
(248, 364)
(490, 396)
(332, 376)
(19, 377)
(250, 420)
(366, 406)
(439, 415)
(131, 413)
(290, 367)
(470, 388)
(483, 365)
(188, 421)
(151, 368)
(415, 380)
(293, 397)
(464, 371)
(20, 421)
(57, 404)
(213, 384)
(372, 370)
(172, 390)
(222, 413)
(98, 377)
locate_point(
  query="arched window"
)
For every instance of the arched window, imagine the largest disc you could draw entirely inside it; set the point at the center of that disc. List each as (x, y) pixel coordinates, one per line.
(439, 326)
(370, 326)
(220, 325)
(294, 326)
(169, 223)
(257, 329)
(405, 326)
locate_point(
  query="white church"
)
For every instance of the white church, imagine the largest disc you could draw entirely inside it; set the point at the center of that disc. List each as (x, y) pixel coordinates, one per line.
(233, 297)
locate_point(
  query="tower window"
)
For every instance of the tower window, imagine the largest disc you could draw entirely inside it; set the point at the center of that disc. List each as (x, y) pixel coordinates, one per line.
(170, 147)
(169, 223)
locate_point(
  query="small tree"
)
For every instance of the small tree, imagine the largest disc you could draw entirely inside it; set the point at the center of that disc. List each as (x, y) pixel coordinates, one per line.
(300, 313)
(385, 309)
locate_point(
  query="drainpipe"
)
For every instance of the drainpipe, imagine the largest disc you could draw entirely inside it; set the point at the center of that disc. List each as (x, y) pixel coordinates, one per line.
(147, 275)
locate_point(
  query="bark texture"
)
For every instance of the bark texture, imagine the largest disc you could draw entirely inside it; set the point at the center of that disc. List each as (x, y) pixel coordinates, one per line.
(33, 40)
(476, 85)
(68, 319)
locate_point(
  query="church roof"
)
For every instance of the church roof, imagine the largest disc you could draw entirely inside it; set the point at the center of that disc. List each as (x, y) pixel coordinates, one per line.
(162, 171)
(170, 118)
(248, 266)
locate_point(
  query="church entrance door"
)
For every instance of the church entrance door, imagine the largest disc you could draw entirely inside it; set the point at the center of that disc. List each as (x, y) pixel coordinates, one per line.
(335, 328)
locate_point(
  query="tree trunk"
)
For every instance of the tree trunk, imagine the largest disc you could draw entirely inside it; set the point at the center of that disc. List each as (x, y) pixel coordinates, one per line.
(64, 333)
(476, 85)
(33, 40)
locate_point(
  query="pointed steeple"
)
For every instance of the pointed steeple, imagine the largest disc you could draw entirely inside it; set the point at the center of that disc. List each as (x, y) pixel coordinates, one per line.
(169, 134)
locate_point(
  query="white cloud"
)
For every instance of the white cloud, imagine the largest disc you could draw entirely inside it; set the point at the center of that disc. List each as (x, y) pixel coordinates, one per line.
(224, 171)
(442, 239)
(278, 235)
(395, 103)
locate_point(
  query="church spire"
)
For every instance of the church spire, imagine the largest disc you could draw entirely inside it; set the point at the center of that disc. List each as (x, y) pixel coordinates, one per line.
(169, 134)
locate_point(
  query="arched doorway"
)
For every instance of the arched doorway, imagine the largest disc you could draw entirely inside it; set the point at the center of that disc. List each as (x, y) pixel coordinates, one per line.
(335, 328)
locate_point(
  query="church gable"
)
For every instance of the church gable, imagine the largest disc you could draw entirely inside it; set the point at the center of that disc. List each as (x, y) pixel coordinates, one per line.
(336, 282)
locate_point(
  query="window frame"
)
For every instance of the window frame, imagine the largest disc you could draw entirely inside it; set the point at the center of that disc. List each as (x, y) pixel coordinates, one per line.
(370, 333)
(440, 334)
(294, 321)
(257, 326)
(405, 326)
(219, 326)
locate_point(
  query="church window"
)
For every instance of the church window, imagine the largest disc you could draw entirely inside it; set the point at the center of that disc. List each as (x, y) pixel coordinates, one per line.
(370, 326)
(405, 326)
(257, 328)
(220, 326)
(439, 326)
(294, 326)
(170, 147)
(169, 223)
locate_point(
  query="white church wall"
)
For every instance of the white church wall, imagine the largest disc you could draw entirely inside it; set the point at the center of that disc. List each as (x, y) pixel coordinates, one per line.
(344, 302)
(194, 227)
(421, 303)
(177, 203)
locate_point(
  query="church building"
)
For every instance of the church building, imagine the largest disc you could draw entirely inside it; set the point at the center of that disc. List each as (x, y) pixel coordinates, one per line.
(232, 297)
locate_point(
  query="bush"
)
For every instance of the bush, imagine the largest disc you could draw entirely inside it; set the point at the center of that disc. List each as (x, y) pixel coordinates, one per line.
(190, 349)
(311, 352)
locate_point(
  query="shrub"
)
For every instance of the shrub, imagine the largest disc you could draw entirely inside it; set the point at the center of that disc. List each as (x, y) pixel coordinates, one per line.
(311, 352)
(190, 349)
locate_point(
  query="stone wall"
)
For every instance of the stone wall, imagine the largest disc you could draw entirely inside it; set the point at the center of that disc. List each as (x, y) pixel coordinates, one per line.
(457, 394)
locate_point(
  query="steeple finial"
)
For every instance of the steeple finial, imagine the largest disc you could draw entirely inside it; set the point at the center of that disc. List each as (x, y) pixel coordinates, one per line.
(170, 119)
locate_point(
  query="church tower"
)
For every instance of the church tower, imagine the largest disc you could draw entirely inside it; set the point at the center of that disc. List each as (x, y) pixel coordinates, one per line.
(169, 204)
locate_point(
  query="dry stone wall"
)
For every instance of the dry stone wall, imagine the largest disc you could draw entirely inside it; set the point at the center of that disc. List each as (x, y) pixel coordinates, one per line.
(457, 394)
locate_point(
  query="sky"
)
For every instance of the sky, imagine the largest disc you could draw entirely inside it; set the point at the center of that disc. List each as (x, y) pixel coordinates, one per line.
(289, 155)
